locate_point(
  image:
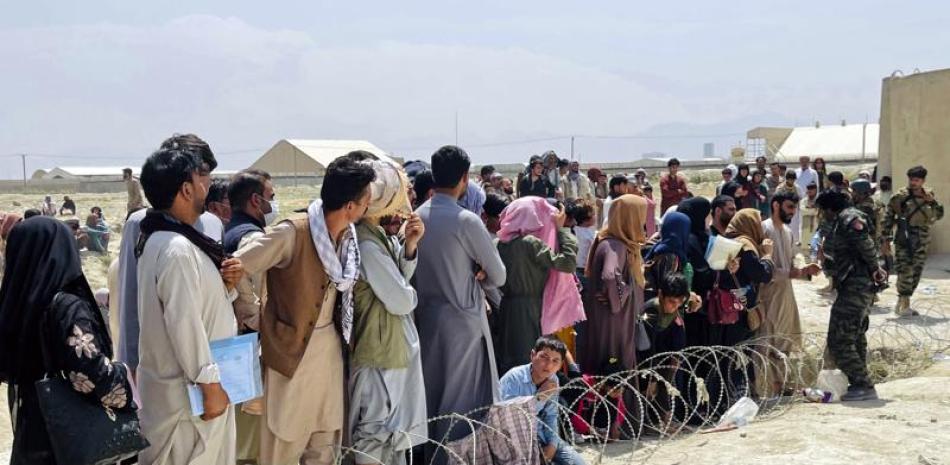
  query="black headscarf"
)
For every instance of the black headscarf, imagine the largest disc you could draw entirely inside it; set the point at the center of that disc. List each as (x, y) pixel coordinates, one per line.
(697, 209)
(41, 259)
(157, 221)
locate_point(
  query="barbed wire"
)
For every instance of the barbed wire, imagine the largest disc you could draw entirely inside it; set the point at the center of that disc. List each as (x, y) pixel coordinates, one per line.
(676, 394)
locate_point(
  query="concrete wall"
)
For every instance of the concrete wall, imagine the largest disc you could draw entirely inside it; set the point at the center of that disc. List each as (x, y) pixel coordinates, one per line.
(915, 130)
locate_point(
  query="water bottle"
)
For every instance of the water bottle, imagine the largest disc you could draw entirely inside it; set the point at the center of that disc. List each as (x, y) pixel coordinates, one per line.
(817, 395)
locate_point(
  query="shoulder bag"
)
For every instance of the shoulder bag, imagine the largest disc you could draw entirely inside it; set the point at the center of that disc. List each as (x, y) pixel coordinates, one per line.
(82, 431)
(723, 306)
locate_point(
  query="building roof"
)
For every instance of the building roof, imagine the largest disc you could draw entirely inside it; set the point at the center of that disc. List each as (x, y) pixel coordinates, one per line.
(82, 172)
(311, 156)
(844, 142)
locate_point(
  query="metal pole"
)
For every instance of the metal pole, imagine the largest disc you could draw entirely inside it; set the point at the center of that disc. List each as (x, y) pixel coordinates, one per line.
(572, 148)
(864, 137)
(23, 159)
(456, 127)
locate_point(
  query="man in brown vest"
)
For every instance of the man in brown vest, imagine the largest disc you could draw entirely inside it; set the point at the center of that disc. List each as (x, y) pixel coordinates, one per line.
(310, 261)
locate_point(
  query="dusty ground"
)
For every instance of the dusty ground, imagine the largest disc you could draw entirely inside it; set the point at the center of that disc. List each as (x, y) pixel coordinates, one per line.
(911, 425)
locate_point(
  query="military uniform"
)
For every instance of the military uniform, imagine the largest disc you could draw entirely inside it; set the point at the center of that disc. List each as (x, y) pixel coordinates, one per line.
(912, 218)
(851, 258)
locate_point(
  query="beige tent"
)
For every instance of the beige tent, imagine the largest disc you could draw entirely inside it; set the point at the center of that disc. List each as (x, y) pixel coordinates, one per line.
(308, 157)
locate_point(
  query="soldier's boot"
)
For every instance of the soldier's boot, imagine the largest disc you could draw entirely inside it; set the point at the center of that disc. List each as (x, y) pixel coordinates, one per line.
(856, 394)
(903, 307)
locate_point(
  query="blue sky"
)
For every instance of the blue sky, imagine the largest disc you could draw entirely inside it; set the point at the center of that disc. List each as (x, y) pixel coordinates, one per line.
(103, 82)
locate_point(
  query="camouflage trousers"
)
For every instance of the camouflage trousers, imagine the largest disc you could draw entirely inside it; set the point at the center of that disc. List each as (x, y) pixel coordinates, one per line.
(847, 328)
(909, 263)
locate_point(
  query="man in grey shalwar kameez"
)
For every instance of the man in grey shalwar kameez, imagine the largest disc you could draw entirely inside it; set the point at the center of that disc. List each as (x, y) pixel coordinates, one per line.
(458, 361)
(387, 412)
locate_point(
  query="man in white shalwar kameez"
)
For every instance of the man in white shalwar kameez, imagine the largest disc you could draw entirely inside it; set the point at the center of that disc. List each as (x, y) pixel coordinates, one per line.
(185, 288)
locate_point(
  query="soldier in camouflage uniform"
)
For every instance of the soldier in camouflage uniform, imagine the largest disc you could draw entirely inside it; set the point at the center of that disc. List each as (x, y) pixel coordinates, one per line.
(852, 261)
(912, 211)
(861, 196)
(825, 224)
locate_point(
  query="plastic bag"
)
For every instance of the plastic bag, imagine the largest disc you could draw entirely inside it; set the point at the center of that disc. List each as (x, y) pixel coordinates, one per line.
(833, 381)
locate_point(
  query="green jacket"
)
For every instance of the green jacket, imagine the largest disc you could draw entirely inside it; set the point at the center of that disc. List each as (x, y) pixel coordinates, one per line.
(850, 253)
(903, 204)
(378, 337)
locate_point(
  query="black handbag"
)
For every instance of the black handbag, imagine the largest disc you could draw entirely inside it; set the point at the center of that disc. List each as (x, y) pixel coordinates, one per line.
(82, 431)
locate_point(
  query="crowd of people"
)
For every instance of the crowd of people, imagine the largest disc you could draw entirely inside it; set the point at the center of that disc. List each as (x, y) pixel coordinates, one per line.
(406, 297)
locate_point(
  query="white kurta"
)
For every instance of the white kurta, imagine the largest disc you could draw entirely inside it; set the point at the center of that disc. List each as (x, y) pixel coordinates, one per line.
(183, 305)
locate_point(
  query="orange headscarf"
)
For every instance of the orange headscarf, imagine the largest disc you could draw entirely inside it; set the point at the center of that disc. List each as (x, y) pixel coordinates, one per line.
(628, 215)
(746, 227)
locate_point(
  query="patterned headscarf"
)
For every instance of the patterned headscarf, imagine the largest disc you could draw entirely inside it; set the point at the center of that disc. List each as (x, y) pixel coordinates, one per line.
(389, 191)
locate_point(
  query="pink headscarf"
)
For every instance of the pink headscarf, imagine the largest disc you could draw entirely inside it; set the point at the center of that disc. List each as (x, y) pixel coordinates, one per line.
(533, 216)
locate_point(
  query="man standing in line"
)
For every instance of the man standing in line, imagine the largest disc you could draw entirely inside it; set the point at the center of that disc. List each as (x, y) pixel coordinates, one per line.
(791, 186)
(185, 287)
(723, 209)
(208, 224)
(852, 262)
(217, 202)
(134, 188)
(805, 174)
(458, 361)
(912, 210)
(312, 262)
(780, 319)
(618, 186)
(673, 187)
(775, 177)
(253, 207)
(575, 185)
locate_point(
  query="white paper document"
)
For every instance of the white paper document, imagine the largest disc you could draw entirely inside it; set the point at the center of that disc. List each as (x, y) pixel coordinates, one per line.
(720, 251)
(239, 362)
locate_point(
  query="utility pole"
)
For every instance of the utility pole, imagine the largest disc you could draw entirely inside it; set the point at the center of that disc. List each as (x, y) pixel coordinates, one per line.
(572, 148)
(23, 159)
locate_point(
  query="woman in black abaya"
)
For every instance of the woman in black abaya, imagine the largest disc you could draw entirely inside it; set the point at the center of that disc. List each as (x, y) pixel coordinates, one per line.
(42, 262)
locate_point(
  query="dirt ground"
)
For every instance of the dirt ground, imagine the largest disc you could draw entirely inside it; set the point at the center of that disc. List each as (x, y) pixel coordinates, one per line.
(910, 425)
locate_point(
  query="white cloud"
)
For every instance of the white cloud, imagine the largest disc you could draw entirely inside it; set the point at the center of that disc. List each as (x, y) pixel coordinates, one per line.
(117, 89)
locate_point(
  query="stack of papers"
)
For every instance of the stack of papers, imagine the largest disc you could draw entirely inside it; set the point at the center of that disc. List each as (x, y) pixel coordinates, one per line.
(239, 362)
(721, 251)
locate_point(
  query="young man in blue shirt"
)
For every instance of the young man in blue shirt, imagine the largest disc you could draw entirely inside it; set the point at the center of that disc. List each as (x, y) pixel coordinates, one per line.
(538, 378)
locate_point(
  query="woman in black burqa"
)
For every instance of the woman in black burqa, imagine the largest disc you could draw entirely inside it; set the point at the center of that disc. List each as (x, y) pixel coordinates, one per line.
(42, 262)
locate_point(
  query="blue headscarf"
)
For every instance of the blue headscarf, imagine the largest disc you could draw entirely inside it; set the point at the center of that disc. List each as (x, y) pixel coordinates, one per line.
(674, 236)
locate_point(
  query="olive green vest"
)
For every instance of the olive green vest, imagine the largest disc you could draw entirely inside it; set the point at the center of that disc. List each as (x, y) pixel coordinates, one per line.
(378, 337)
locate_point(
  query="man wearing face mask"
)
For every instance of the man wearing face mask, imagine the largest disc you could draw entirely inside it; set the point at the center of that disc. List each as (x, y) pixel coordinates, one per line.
(253, 207)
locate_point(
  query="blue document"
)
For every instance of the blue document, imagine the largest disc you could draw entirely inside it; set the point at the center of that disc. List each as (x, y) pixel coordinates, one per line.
(239, 362)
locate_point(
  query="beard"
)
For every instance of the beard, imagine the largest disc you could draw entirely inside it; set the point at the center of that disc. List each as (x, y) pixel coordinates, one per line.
(785, 217)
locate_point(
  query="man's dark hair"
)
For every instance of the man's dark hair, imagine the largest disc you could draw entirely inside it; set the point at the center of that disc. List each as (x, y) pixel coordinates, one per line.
(244, 185)
(31, 212)
(832, 200)
(616, 180)
(917, 172)
(535, 161)
(775, 163)
(194, 144)
(729, 189)
(790, 174)
(422, 184)
(345, 181)
(811, 186)
(836, 177)
(721, 200)
(550, 343)
(449, 165)
(563, 162)
(494, 205)
(582, 211)
(165, 171)
(218, 191)
(886, 178)
(672, 162)
(487, 170)
(127, 170)
(361, 155)
(760, 157)
(674, 285)
(782, 196)
(782, 166)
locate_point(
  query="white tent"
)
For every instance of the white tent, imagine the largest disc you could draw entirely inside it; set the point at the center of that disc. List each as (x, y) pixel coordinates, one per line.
(83, 172)
(308, 157)
(833, 143)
